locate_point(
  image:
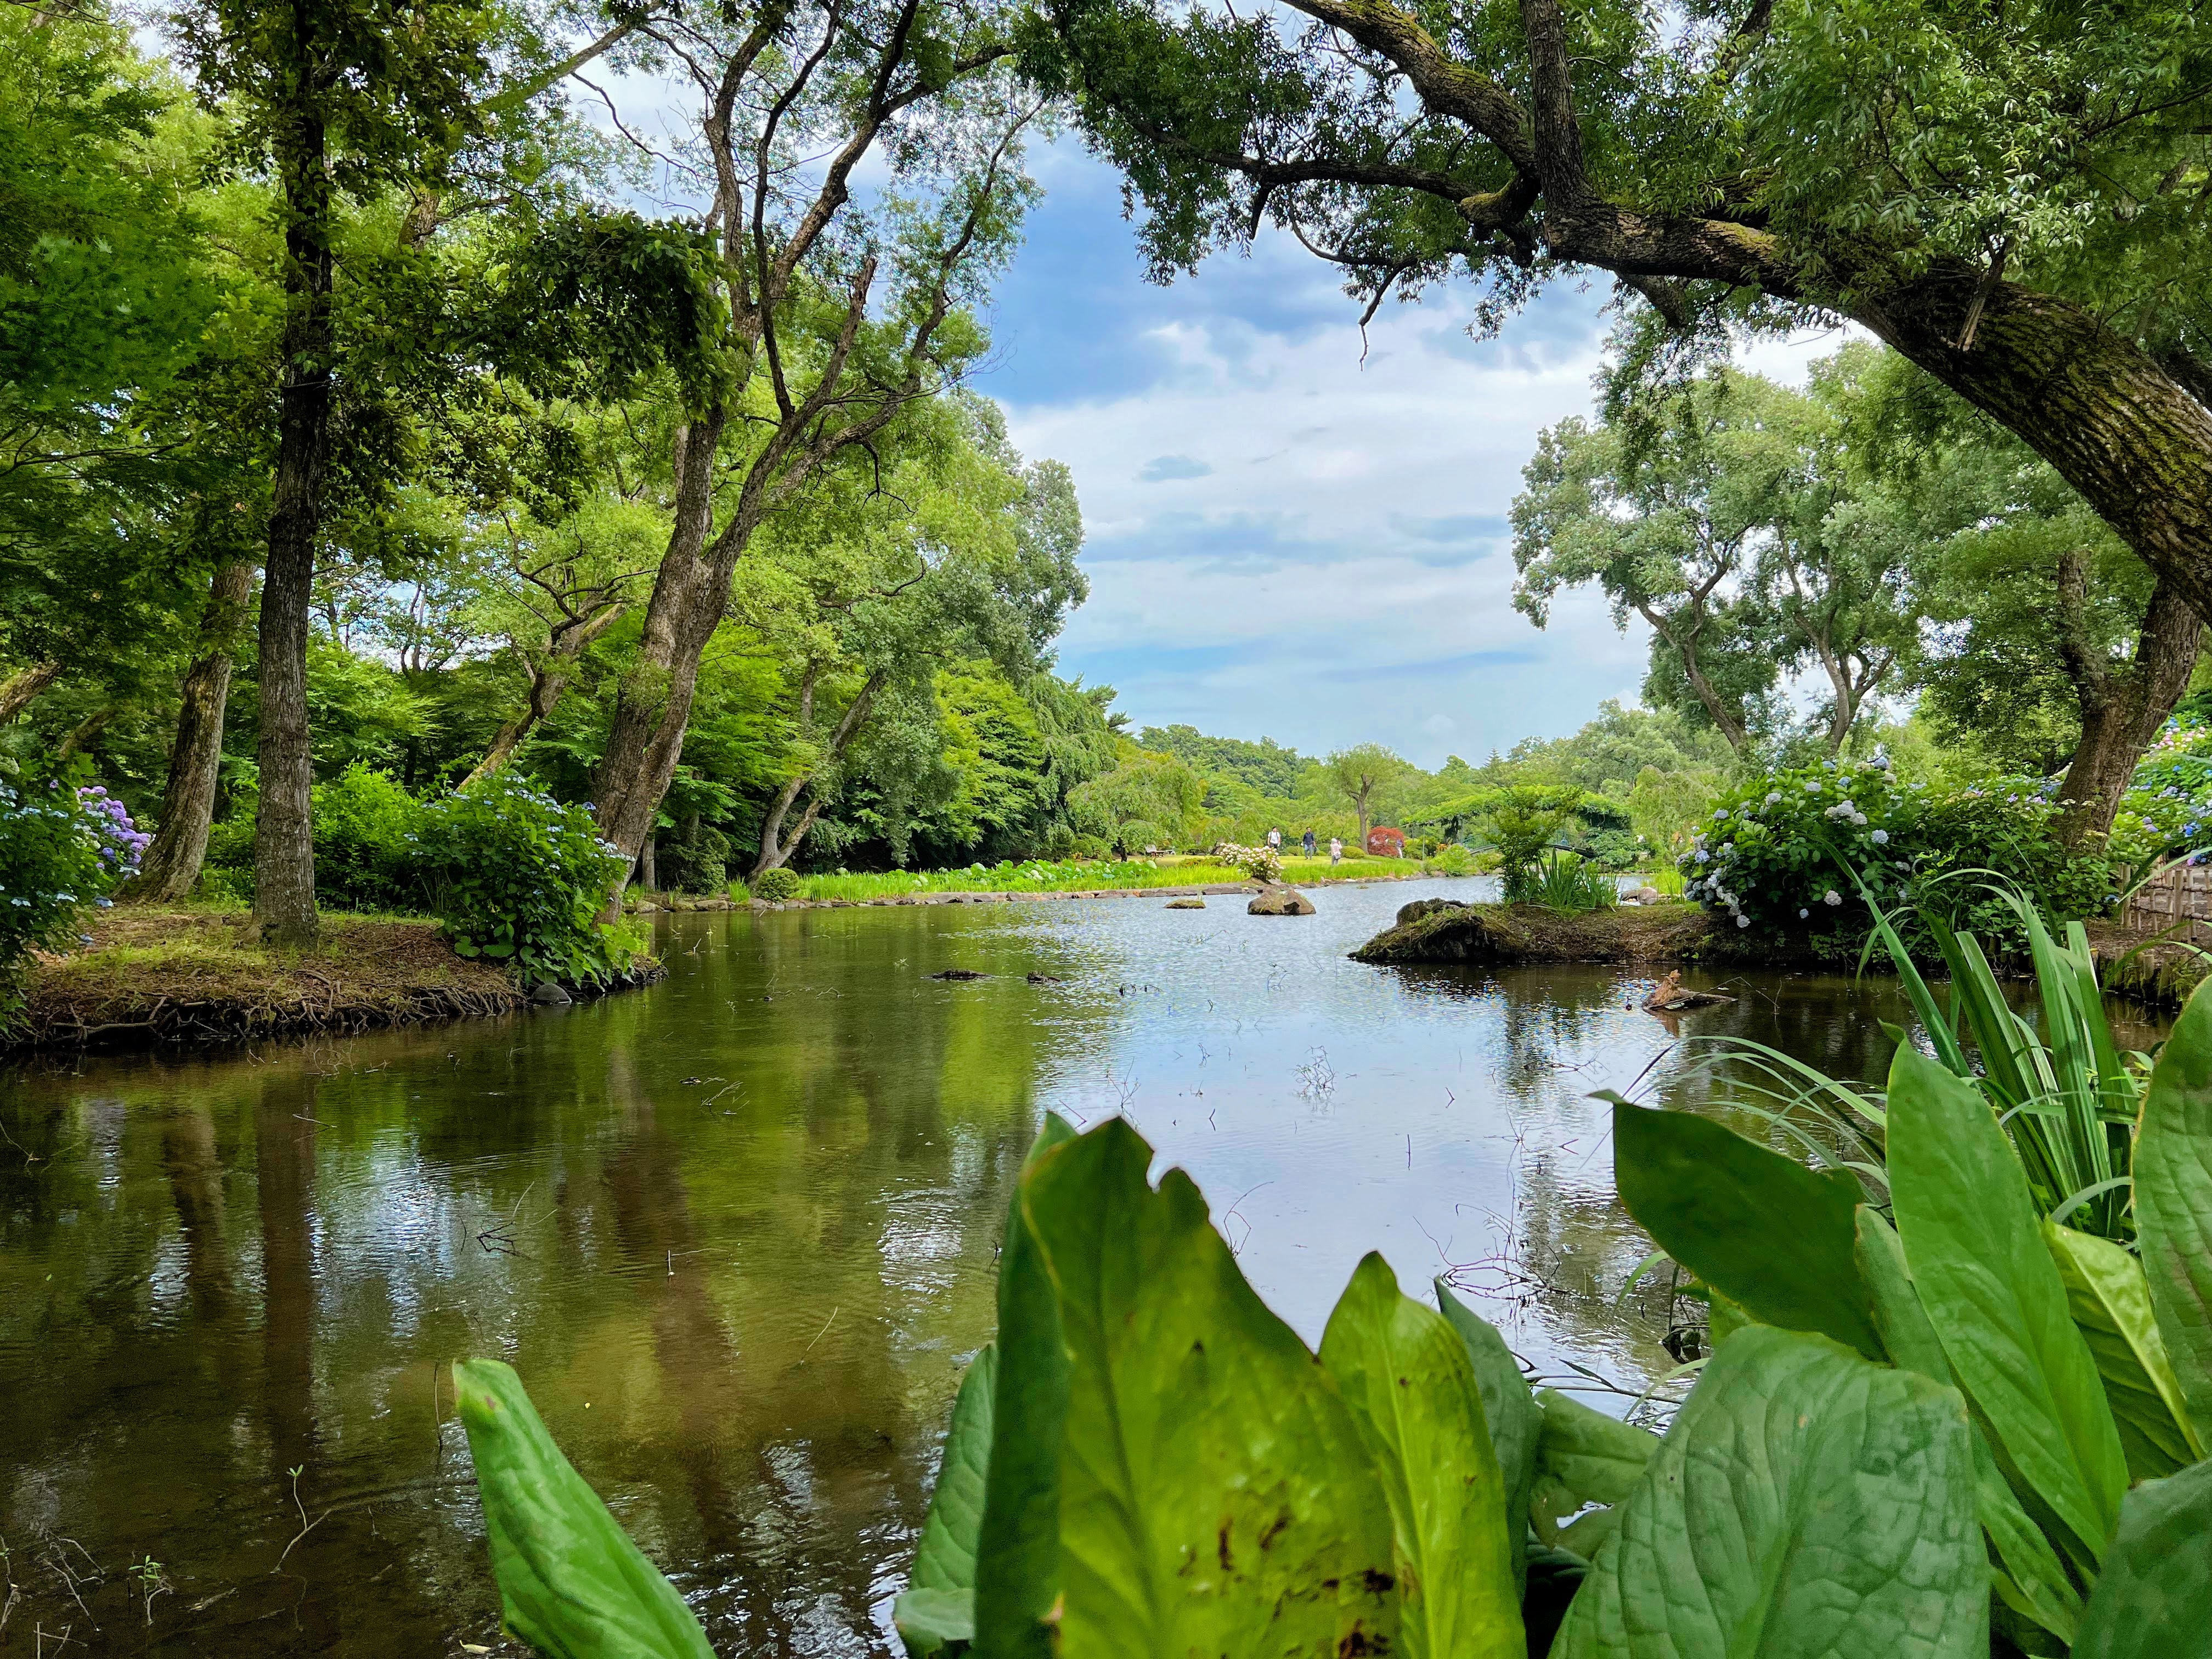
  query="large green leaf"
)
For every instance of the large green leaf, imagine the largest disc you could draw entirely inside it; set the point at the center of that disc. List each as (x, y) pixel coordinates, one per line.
(1805, 1505)
(1772, 1235)
(2154, 1599)
(2031, 1579)
(1018, 1547)
(1508, 1409)
(2173, 1202)
(1217, 1495)
(2110, 1301)
(1977, 1258)
(939, 1604)
(571, 1584)
(1583, 1457)
(1407, 1376)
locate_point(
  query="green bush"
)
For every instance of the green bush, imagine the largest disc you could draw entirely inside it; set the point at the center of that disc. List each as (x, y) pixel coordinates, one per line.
(1780, 855)
(1137, 837)
(2168, 807)
(1561, 881)
(698, 863)
(776, 886)
(521, 879)
(365, 853)
(61, 851)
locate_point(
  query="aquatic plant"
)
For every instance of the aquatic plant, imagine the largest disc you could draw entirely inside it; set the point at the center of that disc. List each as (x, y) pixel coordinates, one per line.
(1564, 882)
(1916, 1436)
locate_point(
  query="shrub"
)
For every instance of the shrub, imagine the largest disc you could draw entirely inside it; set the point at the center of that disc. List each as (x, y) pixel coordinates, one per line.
(696, 863)
(61, 851)
(776, 886)
(1781, 857)
(1260, 863)
(1453, 860)
(2168, 807)
(365, 853)
(521, 879)
(1564, 881)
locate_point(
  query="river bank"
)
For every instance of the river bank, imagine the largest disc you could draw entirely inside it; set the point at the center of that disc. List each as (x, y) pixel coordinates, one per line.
(182, 976)
(2143, 967)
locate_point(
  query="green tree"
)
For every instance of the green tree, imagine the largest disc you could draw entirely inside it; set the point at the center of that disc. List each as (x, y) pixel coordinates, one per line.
(1355, 774)
(2011, 197)
(820, 361)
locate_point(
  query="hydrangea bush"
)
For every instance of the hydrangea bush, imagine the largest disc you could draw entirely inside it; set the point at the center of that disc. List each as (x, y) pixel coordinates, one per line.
(1262, 863)
(1776, 857)
(61, 852)
(2168, 811)
(521, 879)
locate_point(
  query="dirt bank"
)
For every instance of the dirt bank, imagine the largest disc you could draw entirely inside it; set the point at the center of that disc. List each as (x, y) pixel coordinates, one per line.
(161, 977)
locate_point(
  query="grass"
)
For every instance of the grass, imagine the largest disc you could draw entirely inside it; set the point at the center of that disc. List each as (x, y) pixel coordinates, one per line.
(1061, 876)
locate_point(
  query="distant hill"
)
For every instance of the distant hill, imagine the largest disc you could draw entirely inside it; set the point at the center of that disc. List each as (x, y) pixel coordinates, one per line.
(1266, 765)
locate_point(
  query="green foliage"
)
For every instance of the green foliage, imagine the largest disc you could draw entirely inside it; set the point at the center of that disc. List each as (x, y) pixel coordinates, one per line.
(2168, 806)
(1155, 790)
(2173, 1172)
(62, 850)
(776, 886)
(571, 1584)
(1775, 1238)
(1265, 766)
(365, 828)
(1564, 882)
(2156, 1597)
(937, 1607)
(1805, 1494)
(521, 879)
(1802, 855)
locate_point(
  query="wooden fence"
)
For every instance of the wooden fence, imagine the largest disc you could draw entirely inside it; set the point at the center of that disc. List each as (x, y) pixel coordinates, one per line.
(2183, 892)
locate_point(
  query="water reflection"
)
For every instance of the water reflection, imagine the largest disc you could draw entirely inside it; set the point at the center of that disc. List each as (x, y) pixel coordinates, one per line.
(738, 1235)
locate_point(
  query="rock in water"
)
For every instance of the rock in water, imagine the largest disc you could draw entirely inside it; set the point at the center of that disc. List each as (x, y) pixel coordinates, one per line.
(1276, 901)
(958, 973)
(1427, 906)
(547, 994)
(1187, 904)
(1670, 997)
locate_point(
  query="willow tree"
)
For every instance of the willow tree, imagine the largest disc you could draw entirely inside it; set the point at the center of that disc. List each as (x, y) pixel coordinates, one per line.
(2013, 196)
(840, 315)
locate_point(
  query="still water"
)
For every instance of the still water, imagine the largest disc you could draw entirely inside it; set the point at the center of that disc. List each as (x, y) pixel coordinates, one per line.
(737, 1233)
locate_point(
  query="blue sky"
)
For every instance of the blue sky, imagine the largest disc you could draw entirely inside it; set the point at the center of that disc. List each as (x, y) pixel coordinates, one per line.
(1282, 540)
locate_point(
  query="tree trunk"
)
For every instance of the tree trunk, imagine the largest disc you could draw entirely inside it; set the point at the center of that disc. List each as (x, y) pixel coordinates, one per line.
(2122, 706)
(776, 848)
(2116, 425)
(646, 877)
(20, 687)
(546, 685)
(645, 739)
(283, 837)
(172, 864)
(1727, 720)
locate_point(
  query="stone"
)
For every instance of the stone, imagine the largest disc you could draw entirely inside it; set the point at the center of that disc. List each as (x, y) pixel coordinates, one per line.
(1187, 904)
(1278, 900)
(1648, 895)
(958, 974)
(547, 994)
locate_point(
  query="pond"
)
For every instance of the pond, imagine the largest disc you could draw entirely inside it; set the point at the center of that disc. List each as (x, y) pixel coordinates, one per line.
(737, 1234)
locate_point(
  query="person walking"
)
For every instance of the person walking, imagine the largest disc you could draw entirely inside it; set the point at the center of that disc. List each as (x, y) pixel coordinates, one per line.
(1275, 842)
(1336, 849)
(1310, 843)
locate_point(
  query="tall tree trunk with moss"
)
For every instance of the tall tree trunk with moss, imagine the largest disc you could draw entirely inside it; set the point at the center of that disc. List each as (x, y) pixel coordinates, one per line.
(171, 867)
(283, 833)
(2123, 704)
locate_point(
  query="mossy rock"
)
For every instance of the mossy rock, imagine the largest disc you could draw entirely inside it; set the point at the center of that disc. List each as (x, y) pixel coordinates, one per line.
(1441, 930)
